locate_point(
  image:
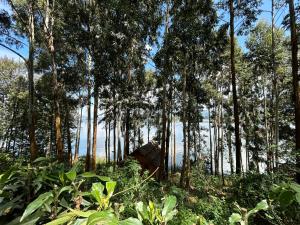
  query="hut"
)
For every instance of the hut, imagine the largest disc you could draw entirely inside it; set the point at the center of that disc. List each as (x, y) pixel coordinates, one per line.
(148, 156)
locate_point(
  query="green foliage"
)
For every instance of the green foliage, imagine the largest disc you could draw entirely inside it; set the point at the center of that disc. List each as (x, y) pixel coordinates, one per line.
(242, 217)
(153, 214)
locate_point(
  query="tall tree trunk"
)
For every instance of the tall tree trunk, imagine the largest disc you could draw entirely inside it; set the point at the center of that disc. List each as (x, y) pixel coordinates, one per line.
(88, 145)
(216, 143)
(115, 138)
(183, 169)
(48, 29)
(266, 131)
(119, 140)
(127, 127)
(164, 116)
(106, 147)
(195, 145)
(31, 111)
(108, 142)
(210, 143)
(188, 161)
(69, 141)
(148, 131)
(229, 141)
(295, 83)
(222, 137)
(234, 92)
(77, 142)
(276, 108)
(174, 145)
(95, 124)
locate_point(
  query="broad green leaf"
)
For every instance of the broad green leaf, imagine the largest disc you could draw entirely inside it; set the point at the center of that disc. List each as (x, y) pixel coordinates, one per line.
(82, 213)
(103, 218)
(286, 198)
(235, 218)
(142, 211)
(91, 174)
(80, 221)
(131, 221)
(110, 187)
(71, 175)
(66, 188)
(40, 159)
(295, 187)
(61, 220)
(97, 191)
(169, 205)
(297, 196)
(103, 178)
(88, 174)
(170, 215)
(6, 207)
(263, 205)
(36, 204)
(30, 220)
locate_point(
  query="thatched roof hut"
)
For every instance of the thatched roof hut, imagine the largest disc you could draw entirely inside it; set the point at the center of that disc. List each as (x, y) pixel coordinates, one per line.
(148, 156)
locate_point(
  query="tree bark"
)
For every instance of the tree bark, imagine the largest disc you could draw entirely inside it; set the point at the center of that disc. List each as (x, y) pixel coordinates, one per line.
(88, 145)
(48, 29)
(174, 145)
(77, 142)
(296, 89)
(95, 125)
(31, 111)
(183, 169)
(210, 143)
(234, 92)
(69, 141)
(127, 127)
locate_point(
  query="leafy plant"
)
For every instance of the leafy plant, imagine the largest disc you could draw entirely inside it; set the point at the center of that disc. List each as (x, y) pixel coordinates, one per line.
(243, 215)
(153, 214)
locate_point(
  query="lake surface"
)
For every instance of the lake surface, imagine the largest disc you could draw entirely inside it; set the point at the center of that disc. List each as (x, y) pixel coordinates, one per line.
(179, 142)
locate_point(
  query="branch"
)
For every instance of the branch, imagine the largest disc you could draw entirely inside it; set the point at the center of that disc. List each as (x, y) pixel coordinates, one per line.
(17, 53)
(17, 40)
(151, 175)
(16, 12)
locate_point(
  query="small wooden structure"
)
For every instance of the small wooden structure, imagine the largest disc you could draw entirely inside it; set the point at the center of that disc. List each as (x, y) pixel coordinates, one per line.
(148, 156)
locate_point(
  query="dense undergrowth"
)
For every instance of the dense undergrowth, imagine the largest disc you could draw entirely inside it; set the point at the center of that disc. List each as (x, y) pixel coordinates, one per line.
(46, 192)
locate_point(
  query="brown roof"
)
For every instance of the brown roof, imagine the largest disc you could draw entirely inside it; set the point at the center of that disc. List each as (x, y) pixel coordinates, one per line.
(148, 156)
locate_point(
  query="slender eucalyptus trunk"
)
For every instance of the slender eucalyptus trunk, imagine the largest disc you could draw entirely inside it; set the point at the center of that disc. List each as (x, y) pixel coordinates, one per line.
(296, 88)
(276, 108)
(95, 125)
(88, 145)
(174, 145)
(48, 29)
(108, 142)
(222, 138)
(31, 111)
(210, 143)
(119, 140)
(77, 142)
(234, 93)
(68, 131)
(188, 161)
(127, 127)
(229, 144)
(115, 137)
(183, 169)
(216, 143)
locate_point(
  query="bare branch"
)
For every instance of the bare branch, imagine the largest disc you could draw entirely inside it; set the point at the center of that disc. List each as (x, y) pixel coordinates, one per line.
(17, 53)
